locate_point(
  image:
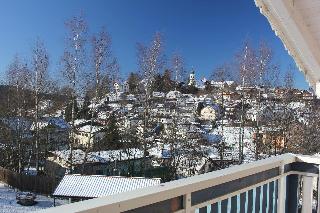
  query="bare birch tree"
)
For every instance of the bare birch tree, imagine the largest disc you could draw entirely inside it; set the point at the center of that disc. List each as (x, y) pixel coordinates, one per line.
(40, 63)
(107, 69)
(221, 74)
(247, 65)
(150, 61)
(246, 59)
(287, 123)
(180, 73)
(105, 65)
(19, 80)
(288, 78)
(263, 65)
(73, 63)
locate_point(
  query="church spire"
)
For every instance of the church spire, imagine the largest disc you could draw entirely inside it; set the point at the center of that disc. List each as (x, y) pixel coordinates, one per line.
(192, 78)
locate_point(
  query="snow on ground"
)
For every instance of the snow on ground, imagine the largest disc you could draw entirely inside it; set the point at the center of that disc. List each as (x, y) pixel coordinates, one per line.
(231, 137)
(9, 204)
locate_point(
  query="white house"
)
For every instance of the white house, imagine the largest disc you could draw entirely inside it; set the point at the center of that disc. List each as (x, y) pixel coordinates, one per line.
(209, 112)
(158, 94)
(82, 135)
(173, 95)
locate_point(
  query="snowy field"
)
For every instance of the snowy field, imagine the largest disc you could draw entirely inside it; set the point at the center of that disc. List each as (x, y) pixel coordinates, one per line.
(8, 202)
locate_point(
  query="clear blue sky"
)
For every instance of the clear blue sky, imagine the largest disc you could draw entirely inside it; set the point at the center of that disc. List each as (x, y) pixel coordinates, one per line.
(207, 32)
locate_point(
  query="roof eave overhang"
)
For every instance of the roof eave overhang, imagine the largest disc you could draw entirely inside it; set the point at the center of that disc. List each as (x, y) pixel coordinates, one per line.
(288, 25)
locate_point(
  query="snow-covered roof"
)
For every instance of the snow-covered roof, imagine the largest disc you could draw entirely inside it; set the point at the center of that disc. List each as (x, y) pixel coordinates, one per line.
(231, 134)
(173, 94)
(216, 107)
(103, 156)
(45, 104)
(87, 129)
(57, 122)
(92, 186)
(131, 97)
(113, 97)
(230, 82)
(78, 122)
(296, 105)
(221, 83)
(158, 94)
(114, 105)
(160, 151)
(102, 115)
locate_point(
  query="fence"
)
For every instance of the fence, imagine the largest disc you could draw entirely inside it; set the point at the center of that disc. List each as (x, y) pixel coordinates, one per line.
(23, 182)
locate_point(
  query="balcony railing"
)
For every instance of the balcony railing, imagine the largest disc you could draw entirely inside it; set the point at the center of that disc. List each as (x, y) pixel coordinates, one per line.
(276, 184)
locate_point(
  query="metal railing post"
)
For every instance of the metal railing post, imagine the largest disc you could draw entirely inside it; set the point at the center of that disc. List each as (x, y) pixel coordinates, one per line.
(292, 192)
(307, 192)
(281, 207)
(187, 202)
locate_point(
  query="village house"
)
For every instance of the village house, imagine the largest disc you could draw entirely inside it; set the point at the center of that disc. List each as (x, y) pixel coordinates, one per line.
(54, 130)
(173, 95)
(232, 110)
(230, 96)
(297, 94)
(102, 117)
(280, 93)
(307, 96)
(271, 138)
(263, 113)
(87, 135)
(189, 99)
(158, 94)
(209, 112)
(230, 85)
(111, 162)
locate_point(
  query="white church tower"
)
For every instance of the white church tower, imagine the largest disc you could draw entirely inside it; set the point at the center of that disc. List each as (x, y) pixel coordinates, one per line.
(192, 79)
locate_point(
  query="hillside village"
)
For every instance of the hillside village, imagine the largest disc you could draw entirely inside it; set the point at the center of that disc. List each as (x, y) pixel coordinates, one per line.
(217, 125)
(160, 106)
(92, 126)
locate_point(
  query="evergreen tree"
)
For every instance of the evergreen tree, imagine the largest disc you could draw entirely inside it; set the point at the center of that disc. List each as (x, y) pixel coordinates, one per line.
(157, 84)
(68, 111)
(84, 112)
(112, 138)
(168, 84)
(200, 107)
(133, 81)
